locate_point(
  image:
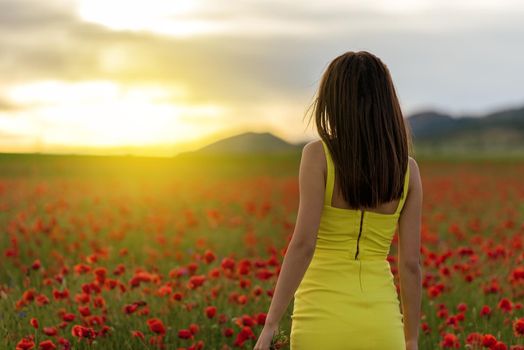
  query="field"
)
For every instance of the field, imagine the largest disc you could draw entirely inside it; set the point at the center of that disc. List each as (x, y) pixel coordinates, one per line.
(136, 253)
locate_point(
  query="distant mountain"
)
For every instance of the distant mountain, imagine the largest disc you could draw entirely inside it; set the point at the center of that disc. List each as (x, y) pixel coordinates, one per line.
(248, 143)
(499, 131)
(430, 123)
(434, 124)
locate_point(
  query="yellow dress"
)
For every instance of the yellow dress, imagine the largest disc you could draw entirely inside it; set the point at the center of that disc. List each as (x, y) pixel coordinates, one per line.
(347, 299)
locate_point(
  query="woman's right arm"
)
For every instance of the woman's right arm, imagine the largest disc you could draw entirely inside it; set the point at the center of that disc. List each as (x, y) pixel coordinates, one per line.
(409, 265)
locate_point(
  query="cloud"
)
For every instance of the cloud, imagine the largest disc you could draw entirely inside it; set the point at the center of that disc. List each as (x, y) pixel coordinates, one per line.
(52, 42)
(263, 59)
(7, 106)
(61, 47)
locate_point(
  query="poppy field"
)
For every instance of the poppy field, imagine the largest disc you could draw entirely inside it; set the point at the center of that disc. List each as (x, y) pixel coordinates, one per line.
(165, 254)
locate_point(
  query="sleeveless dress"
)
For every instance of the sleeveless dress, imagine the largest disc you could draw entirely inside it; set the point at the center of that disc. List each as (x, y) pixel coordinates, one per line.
(347, 298)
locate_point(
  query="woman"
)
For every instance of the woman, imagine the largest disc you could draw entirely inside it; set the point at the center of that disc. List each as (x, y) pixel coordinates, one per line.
(356, 184)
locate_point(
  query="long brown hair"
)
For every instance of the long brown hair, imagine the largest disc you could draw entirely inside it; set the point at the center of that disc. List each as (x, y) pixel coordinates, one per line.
(358, 115)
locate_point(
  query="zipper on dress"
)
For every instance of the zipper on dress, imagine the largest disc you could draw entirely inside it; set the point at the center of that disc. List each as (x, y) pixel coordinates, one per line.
(359, 233)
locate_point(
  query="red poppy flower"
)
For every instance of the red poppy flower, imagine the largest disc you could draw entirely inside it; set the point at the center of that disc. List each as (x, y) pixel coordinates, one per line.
(36, 264)
(196, 281)
(264, 274)
(227, 264)
(211, 311)
(84, 310)
(138, 334)
(50, 331)
(34, 322)
(157, 326)
(505, 305)
(47, 345)
(82, 332)
(25, 344)
(489, 340)
(68, 317)
(209, 256)
(57, 295)
(485, 311)
(518, 327)
(450, 341)
(194, 328)
(245, 334)
(184, 334)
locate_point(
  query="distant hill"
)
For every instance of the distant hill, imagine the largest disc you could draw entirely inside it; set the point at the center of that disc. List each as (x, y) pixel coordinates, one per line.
(248, 143)
(433, 132)
(501, 131)
(432, 124)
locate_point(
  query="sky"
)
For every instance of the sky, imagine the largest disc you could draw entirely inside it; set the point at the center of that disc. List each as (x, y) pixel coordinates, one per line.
(161, 77)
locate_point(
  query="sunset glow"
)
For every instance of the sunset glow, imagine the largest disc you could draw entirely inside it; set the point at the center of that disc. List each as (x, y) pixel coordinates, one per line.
(105, 113)
(81, 74)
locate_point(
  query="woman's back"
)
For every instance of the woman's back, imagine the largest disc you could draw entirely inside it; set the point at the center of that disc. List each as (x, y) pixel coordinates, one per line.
(348, 292)
(366, 233)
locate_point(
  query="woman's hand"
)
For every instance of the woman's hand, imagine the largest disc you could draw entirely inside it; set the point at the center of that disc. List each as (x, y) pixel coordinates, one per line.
(265, 338)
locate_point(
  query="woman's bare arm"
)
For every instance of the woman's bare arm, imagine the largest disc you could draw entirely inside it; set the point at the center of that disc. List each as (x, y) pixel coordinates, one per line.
(302, 245)
(410, 270)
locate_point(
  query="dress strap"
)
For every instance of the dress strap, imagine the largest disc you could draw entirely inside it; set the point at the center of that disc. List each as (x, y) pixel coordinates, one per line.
(330, 178)
(404, 191)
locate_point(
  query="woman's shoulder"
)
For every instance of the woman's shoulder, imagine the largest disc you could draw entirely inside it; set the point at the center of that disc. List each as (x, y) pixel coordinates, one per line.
(413, 165)
(313, 148)
(313, 153)
(414, 174)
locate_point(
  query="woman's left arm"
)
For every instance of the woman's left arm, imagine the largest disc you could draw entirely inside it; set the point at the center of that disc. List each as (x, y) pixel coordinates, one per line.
(302, 244)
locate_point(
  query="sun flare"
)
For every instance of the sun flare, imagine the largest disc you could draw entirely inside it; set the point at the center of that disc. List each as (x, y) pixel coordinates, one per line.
(104, 113)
